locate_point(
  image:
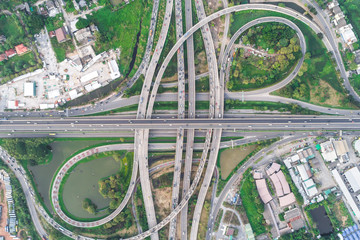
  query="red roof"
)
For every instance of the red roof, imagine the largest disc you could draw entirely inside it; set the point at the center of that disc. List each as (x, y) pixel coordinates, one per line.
(2, 57)
(52, 34)
(20, 49)
(60, 35)
(10, 52)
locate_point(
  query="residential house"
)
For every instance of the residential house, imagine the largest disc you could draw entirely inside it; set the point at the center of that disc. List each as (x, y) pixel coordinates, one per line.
(21, 49)
(347, 34)
(2, 39)
(10, 53)
(60, 34)
(52, 10)
(3, 57)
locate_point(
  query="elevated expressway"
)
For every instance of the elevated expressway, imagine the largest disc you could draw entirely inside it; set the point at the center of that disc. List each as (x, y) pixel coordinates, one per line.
(141, 139)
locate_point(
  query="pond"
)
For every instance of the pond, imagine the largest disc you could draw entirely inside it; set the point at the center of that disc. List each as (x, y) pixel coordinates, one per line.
(322, 220)
(43, 174)
(83, 183)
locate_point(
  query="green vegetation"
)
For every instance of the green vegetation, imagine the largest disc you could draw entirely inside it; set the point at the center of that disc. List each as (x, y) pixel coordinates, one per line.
(115, 187)
(265, 106)
(18, 65)
(336, 210)
(254, 207)
(218, 219)
(299, 198)
(25, 222)
(250, 71)
(33, 22)
(61, 49)
(164, 180)
(281, 215)
(317, 82)
(53, 23)
(301, 234)
(89, 206)
(352, 11)
(135, 89)
(119, 28)
(202, 85)
(34, 150)
(69, 6)
(260, 145)
(355, 82)
(348, 58)
(140, 209)
(10, 26)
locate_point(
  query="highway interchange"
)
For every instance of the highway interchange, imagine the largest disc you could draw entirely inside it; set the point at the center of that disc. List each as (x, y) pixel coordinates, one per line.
(185, 123)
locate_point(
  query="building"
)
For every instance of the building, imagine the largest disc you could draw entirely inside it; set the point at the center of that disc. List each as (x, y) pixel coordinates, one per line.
(52, 10)
(328, 151)
(29, 89)
(310, 187)
(332, 4)
(304, 171)
(346, 193)
(287, 200)
(229, 231)
(257, 175)
(347, 34)
(336, 10)
(249, 232)
(92, 86)
(84, 36)
(21, 49)
(2, 38)
(3, 57)
(60, 34)
(10, 53)
(82, 3)
(353, 177)
(13, 104)
(52, 34)
(294, 219)
(263, 190)
(340, 23)
(342, 150)
(74, 94)
(89, 76)
(274, 167)
(114, 69)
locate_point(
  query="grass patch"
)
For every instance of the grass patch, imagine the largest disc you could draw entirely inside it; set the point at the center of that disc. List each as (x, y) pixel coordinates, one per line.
(61, 49)
(230, 158)
(254, 207)
(319, 67)
(259, 145)
(119, 28)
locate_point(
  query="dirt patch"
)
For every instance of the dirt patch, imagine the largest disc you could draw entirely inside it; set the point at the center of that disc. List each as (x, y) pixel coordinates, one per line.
(231, 218)
(325, 94)
(230, 158)
(162, 201)
(201, 66)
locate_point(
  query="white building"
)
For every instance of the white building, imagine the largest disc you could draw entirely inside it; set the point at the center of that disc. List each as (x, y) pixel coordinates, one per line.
(328, 151)
(114, 69)
(29, 89)
(89, 76)
(310, 187)
(347, 34)
(346, 193)
(353, 177)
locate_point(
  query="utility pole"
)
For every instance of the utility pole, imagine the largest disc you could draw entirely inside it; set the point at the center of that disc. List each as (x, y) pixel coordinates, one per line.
(242, 96)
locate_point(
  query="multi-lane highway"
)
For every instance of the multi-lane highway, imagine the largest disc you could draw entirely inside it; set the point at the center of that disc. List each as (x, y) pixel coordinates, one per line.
(215, 124)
